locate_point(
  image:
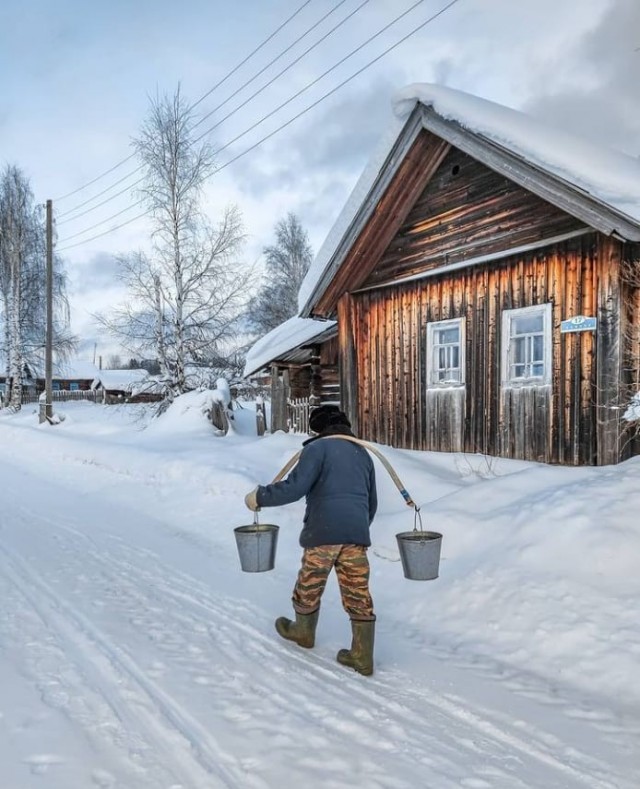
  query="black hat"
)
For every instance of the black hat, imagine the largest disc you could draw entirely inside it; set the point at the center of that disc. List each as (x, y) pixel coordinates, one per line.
(326, 416)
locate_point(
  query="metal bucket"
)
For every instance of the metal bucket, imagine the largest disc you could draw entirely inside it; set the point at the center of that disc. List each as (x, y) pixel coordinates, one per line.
(420, 554)
(257, 546)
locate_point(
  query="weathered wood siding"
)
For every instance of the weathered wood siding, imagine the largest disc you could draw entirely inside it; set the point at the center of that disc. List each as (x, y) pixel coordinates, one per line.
(466, 211)
(630, 334)
(383, 358)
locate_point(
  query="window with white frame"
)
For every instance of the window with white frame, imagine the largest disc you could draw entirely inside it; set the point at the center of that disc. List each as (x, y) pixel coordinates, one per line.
(445, 353)
(526, 346)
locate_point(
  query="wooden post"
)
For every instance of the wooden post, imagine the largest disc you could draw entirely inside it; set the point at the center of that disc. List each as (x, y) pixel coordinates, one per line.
(46, 413)
(608, 353)
(261, 418)
(315, 384)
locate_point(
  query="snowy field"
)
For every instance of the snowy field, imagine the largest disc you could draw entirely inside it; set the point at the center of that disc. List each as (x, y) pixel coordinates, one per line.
(134, 653)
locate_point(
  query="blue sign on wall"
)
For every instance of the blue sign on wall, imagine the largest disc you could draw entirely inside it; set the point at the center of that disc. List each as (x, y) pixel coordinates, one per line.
(579, 323)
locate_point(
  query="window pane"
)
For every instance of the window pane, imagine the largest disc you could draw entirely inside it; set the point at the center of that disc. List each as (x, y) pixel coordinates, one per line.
(537, 369)
(446, 354)
(527, 324)
(538, 348)
(519, 350)
(450, 335)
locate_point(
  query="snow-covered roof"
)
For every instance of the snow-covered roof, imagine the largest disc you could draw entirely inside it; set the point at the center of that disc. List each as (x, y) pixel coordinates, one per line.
(282, 340)
(118, 380)
(76, 370)
(609, 177)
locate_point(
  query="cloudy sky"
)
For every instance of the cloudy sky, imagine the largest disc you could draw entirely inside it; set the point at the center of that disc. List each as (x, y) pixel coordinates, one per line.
(76, 77)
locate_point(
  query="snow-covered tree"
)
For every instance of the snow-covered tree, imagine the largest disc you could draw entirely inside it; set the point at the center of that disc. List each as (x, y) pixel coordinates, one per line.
(185, 295)
(286, 262)
(23, 283)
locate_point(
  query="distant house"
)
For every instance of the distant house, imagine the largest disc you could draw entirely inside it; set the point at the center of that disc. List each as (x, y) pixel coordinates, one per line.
(121, 385)
(301, 357)
(76, 376)
(67, 377)
(484, 276)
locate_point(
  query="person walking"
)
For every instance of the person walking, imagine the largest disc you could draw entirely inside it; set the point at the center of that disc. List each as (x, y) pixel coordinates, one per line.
(337, 478)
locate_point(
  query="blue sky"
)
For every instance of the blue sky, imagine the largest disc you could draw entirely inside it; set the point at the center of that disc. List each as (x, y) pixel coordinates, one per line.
(76, 76)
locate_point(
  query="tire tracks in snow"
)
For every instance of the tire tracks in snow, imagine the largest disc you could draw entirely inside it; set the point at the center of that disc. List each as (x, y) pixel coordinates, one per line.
(396, 720)
(201, 761)
(584, 770)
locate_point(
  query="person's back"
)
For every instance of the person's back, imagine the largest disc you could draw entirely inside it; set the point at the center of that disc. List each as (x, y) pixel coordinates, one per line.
(337, 478)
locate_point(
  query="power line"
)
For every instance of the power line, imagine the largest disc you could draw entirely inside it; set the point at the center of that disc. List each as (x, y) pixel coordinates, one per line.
(233, 95)
(275, 131)
(257, 123)
(264, 118)
(293, 63)
(201, 99)
(255, 51)
(310, 84)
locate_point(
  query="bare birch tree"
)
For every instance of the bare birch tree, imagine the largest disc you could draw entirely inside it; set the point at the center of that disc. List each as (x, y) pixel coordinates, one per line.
(22, 284)
(185, 295)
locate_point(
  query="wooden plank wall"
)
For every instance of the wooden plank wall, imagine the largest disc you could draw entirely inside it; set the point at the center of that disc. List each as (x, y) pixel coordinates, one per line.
(383, 353)
(465, 211)
(630, 334)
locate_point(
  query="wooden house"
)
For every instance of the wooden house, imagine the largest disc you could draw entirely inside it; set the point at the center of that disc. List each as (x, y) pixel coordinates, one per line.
(301, 356)
(484, 277)
(76, 376)
(116, 386)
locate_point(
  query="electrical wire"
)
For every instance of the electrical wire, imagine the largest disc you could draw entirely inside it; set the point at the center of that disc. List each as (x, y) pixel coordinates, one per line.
(310, 84)
(201, 120)
(226, 101)
(199, 101)
(253, 126)
(272, 133)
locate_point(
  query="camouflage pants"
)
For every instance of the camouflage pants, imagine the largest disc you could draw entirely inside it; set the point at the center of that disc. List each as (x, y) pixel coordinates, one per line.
(352, 572)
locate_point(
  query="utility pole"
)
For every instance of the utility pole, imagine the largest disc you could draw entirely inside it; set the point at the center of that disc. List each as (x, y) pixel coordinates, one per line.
(48, 358)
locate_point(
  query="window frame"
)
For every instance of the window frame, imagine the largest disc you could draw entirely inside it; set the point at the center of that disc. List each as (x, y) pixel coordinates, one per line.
(508, 317)
(432, 328)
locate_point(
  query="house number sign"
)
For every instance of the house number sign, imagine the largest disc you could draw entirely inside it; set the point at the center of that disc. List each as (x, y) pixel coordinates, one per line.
(579, 323)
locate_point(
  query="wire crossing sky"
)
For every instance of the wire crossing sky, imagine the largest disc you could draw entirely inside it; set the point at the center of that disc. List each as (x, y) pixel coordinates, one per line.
(76, 77)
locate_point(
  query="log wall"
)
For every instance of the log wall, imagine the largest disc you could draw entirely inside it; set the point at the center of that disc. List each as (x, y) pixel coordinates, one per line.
(572, 421)
(468, 210)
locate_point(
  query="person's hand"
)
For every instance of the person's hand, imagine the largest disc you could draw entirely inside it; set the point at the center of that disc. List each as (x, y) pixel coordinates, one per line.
(251, 500)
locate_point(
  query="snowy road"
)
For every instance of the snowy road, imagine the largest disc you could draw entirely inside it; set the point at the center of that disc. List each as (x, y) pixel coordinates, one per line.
(132, 656)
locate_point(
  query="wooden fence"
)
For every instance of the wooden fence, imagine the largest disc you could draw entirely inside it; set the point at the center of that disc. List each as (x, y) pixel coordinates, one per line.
(298, 414)
(64, 396)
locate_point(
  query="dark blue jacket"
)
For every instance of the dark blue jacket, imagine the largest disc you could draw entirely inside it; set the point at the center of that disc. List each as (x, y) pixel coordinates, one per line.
(338, 480)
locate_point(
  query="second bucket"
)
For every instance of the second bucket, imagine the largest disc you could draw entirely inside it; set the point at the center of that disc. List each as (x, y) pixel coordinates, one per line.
(257, 545)
(420, 554)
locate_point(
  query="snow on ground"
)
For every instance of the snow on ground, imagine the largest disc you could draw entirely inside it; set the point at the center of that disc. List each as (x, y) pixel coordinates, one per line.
(134, 652)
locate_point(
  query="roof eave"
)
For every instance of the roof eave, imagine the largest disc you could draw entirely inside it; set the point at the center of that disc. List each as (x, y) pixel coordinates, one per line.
(319, 338)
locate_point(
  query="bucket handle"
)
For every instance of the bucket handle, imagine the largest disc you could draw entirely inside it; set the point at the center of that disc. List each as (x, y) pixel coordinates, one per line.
(417, 519)
(256, 522)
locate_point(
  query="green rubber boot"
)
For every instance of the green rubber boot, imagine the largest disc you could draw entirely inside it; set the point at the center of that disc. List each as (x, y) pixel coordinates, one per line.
(302, 631)
(360, 656)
